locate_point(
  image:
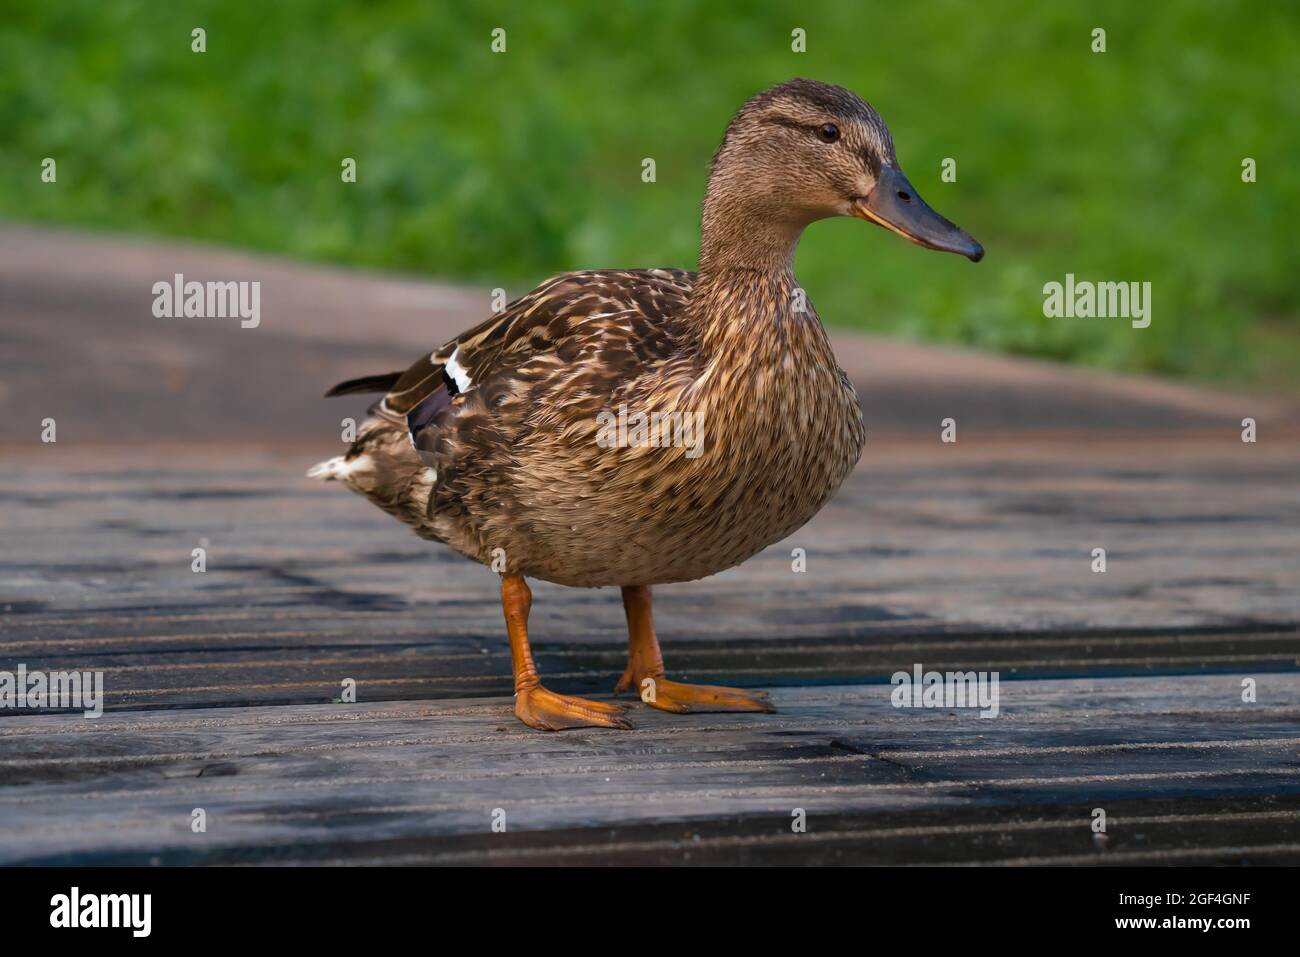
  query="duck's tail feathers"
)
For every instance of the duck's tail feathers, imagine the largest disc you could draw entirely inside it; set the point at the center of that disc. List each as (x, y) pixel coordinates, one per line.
(370, 383)
(342, 468)
(328, 470)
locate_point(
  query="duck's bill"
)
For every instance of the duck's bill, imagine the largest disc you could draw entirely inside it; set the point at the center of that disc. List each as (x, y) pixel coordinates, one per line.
(894, 204)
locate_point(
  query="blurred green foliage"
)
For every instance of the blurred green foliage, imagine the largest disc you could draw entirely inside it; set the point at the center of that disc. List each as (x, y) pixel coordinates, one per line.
(505, 168)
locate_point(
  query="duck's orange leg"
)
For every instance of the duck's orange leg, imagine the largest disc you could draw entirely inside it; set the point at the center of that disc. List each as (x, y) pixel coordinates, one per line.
(534, 705)
(645, 669)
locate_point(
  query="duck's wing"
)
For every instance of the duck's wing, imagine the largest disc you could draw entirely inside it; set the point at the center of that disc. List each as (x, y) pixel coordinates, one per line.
(579, 326)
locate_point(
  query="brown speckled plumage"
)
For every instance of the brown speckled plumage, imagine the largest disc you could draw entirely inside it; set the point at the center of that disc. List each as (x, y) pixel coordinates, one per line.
(490, 442)
(517, 464)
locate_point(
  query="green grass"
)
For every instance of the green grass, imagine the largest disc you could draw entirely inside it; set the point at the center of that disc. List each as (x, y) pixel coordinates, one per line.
(506, 168)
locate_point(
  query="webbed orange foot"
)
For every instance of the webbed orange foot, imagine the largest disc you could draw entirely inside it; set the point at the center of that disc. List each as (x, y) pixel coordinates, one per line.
(644, 674)
(679, 698)
(548, 711)
(534, 705)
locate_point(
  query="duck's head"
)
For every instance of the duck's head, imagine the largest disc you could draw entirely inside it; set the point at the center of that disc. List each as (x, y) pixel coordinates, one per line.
(804, 151)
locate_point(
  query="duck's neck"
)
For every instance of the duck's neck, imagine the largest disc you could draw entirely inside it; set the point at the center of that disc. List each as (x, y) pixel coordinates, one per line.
(746, 300)
(735, 235)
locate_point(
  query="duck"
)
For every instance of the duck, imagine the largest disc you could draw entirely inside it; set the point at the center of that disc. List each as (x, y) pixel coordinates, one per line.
(638, 427)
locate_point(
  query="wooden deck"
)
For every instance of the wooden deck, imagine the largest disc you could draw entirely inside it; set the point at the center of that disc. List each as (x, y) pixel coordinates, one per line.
(1120, 690)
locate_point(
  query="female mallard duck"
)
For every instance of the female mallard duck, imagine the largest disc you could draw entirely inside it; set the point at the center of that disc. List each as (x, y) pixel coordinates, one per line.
(501, 443)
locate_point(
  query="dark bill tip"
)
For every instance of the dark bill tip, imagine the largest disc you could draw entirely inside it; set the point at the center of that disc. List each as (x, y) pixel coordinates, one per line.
(895, 204)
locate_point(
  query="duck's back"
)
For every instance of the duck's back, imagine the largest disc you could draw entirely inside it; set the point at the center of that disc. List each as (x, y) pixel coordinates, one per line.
(448, 444)
(610, 322)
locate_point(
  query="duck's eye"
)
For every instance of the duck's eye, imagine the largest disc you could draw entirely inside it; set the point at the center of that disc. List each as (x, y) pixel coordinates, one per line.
(828, 132)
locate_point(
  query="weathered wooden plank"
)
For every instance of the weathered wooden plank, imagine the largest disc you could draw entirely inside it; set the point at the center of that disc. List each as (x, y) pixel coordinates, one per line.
(1158, 831)
(235, 671)
(293, 780)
